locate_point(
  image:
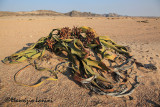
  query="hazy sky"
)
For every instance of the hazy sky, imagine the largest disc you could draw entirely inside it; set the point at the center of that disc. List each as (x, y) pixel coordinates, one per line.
(122, 7)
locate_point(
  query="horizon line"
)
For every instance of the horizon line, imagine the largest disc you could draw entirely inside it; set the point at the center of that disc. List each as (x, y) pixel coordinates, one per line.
(83, 12)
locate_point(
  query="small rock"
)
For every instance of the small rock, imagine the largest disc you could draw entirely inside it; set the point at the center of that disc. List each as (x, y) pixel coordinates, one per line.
(152, 83)
(130, 98)
(151, 57)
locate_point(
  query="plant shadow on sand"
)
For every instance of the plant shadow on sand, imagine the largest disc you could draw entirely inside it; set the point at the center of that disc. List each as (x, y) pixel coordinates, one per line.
(24, 48)
(152, 102)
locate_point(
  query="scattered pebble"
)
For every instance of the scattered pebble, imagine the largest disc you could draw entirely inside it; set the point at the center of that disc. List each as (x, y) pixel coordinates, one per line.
(152, 83)
(130, 98)
(157, 55)
(151, 57)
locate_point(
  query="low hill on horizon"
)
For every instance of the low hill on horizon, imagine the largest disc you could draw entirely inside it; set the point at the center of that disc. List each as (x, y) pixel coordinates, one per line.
(82, 14)
(54, 13)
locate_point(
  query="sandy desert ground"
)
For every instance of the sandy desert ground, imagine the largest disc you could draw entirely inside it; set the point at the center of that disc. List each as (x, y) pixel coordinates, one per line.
(17, 32)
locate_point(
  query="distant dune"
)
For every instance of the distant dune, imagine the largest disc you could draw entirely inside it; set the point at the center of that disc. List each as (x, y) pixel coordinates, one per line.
(31, 13)
(53, 13)
(6, 13)
(41, 13)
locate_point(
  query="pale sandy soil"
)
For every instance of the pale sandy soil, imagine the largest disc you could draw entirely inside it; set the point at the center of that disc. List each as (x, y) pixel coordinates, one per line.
(16, 32)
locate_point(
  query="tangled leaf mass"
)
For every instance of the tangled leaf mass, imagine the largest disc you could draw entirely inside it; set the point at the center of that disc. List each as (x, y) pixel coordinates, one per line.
(96, 62)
